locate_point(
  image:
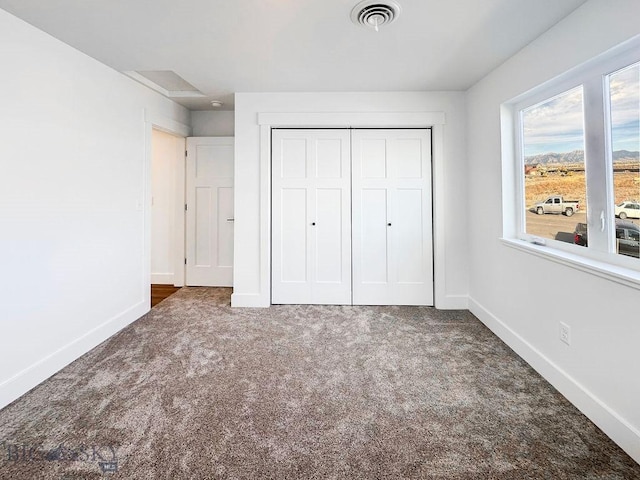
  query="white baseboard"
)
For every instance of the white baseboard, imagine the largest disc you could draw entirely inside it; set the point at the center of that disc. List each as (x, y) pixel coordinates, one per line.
(22, 382)
(453, 302)
(612, 424)
(162, 278)
(249, 300)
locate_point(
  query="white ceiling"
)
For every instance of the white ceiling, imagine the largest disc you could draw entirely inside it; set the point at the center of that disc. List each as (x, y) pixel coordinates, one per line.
(226, 46)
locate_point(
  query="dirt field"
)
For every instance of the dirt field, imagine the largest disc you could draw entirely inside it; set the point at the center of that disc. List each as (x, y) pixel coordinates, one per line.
(573, 187)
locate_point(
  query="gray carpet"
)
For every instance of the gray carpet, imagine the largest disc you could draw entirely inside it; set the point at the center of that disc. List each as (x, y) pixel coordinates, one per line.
(196, 390)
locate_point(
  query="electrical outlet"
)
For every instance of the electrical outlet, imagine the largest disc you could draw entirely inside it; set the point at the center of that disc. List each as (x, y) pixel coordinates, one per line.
(565, 333)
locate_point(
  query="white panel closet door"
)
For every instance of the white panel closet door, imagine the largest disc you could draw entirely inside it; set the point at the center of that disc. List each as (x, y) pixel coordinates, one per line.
(392, 217)
(209, 223)
(311, 217)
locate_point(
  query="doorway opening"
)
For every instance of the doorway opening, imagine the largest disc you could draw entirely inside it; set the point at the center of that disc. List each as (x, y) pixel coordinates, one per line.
(167, 217)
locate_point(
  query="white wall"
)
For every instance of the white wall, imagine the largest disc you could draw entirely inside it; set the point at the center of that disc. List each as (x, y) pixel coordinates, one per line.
(251, 248)
(167, 156)
(600, 371)
(208, 123)
(73, 203)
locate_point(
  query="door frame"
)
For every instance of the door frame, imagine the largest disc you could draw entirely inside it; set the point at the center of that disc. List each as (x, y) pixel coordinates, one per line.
(433, 120)
(170, 126)
(177, 160)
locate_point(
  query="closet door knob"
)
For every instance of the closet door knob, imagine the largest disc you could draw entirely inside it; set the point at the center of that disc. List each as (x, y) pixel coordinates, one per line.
(314, 224)
(388, 224)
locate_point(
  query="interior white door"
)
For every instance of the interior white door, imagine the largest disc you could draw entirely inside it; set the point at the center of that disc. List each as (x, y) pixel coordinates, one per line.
(209, 223)
(311, 217)
(392, 217)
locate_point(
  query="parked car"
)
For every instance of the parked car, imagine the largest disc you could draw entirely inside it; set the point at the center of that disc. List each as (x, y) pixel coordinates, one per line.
(627, 237)
(580, 234)
(557, 204)
(628, 209)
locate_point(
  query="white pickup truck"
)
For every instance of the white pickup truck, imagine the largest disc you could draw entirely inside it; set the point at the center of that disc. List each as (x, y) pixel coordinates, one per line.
(557, 204)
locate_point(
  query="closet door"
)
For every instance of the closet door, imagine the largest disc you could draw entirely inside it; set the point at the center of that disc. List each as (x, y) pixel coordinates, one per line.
(311, 217)
(392, 217)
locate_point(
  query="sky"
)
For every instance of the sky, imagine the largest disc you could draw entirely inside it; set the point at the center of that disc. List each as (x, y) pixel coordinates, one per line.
(557, 124)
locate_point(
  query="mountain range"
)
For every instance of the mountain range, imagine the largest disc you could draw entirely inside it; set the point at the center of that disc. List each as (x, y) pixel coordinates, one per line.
(577, 156)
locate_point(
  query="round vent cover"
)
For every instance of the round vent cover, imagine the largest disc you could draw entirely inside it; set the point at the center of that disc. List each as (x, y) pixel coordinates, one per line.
(374, 14)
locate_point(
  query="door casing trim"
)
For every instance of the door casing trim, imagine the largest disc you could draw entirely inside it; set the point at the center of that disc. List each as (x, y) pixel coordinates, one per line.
(268, 120)
(154, 121)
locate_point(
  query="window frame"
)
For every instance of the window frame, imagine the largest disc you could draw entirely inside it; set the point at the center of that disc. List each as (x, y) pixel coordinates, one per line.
(600, 256)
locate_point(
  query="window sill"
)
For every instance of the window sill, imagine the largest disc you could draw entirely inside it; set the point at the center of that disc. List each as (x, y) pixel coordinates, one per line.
(614, 273)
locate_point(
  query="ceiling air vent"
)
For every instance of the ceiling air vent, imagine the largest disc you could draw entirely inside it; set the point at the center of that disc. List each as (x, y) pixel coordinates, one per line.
(374, 14)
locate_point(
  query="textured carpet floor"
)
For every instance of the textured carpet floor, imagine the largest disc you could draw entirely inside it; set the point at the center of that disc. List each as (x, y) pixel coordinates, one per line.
(197, 390)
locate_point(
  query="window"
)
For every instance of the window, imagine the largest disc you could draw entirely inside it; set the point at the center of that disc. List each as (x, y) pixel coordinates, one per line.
(624, 101)
(577, 161)
(554, 173)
